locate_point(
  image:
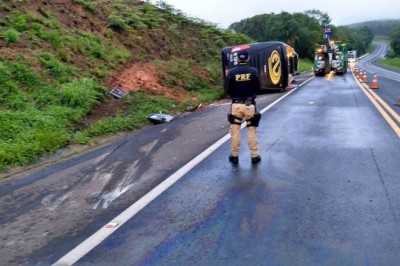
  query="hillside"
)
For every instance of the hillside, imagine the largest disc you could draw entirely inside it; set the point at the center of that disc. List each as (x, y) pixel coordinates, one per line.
(378, 27)
(60, 58)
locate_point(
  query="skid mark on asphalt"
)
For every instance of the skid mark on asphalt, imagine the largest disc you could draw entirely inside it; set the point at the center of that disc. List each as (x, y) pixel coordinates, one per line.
(104, 185)
(52, 205)
(127, 182)
(122, 186)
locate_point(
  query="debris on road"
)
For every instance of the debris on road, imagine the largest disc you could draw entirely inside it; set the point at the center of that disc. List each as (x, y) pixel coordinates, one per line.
(192, 108)
(112, 225)
(159, 118)
(117, 92)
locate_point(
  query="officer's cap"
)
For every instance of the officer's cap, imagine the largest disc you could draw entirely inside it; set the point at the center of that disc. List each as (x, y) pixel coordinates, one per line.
(243, 55)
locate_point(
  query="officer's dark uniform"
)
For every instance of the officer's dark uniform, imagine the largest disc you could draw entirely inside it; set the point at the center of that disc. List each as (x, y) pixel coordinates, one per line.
(241, 84)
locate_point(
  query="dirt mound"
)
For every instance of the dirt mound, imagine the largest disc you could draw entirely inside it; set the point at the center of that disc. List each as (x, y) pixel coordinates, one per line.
(143, 77)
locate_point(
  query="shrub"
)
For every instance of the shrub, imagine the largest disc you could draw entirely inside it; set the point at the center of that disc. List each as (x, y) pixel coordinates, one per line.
(54, 37)
(54, 67)
(5, 73)
(88, 5)
(25, 75)
(117, 22)
(220, 43)
(18, 21)
(11, 36)
(83, 93)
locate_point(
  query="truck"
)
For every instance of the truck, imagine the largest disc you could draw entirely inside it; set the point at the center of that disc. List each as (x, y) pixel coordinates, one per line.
(322, 62)
(340, 58)
(277, 62)
(352, 58)
(330, 56)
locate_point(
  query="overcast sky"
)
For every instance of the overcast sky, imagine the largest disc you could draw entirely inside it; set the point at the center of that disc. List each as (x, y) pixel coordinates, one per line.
(342, 12)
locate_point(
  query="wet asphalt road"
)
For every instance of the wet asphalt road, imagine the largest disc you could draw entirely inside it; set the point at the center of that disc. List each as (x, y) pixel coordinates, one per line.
(47, 211)
(388, 79)
(326, 192)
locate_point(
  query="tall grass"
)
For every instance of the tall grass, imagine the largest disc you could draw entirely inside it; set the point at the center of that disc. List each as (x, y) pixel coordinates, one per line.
(391, 62)
(305, 65)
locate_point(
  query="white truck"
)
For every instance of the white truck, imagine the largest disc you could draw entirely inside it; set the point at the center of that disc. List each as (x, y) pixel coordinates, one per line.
(352, 58)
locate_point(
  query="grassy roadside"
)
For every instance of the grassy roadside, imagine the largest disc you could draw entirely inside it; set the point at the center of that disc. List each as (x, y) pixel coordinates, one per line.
(391, 62)
(305, 65)
(56, 63)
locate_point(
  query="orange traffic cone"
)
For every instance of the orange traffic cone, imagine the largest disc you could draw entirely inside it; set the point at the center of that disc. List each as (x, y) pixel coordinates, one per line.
(355, 69)
(374, 83)
(365, 79)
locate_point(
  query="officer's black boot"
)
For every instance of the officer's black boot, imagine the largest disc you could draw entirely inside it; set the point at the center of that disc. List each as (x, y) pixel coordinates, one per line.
(255, 160)
(234, 159)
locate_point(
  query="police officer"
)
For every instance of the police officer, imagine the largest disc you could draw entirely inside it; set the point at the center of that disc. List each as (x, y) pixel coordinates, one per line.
(241, 84)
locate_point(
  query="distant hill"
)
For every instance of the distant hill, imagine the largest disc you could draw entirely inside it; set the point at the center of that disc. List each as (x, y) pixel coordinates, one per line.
(378, 27)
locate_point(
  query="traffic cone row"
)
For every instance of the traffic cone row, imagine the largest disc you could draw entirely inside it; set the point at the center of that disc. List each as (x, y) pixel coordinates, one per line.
(360, 74)
(374, 83)
(364, 77)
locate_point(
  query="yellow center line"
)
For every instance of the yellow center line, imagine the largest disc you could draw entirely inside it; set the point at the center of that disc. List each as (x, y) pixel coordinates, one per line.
(383, 103)
(376, 101)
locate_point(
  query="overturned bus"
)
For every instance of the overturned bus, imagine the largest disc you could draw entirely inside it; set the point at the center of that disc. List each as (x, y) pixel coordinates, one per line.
(276, 62)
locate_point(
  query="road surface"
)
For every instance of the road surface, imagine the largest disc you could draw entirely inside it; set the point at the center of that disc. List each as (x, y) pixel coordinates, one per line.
(326, 191)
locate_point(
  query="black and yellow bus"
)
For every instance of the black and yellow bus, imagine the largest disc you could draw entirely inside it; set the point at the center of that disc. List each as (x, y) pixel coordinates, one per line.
(277, 62)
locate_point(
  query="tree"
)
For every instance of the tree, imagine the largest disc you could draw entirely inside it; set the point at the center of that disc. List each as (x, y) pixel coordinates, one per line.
(367, 34)
(395, 41)
(302, 31)
(322, 17)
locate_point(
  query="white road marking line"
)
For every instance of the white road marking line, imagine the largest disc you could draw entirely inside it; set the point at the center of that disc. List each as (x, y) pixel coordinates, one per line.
(90, 243)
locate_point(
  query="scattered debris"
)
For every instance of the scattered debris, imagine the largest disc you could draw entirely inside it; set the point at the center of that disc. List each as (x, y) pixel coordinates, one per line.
(159, 118)
(192, 108)
(292, 87)
(117, 92)
(111, 225)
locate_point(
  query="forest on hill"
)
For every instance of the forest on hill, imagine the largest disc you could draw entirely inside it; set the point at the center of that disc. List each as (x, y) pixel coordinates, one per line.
(378, 27)
(303, 31)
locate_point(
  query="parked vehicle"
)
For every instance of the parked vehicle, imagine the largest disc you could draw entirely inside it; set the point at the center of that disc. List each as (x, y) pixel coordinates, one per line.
(331, 56)
(352, 58)
(340, 59)
(276, 62)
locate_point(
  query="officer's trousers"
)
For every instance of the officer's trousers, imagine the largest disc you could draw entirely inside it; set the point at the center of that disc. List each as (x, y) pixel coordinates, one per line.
(243, 112)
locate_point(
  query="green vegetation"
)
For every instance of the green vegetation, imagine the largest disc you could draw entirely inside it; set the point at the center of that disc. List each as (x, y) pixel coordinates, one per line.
(305, 65)
(391, 62)
(56, 66)
(139, 106)
(301, 31)
(378, 27)
(392, 58)
(395, 41)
